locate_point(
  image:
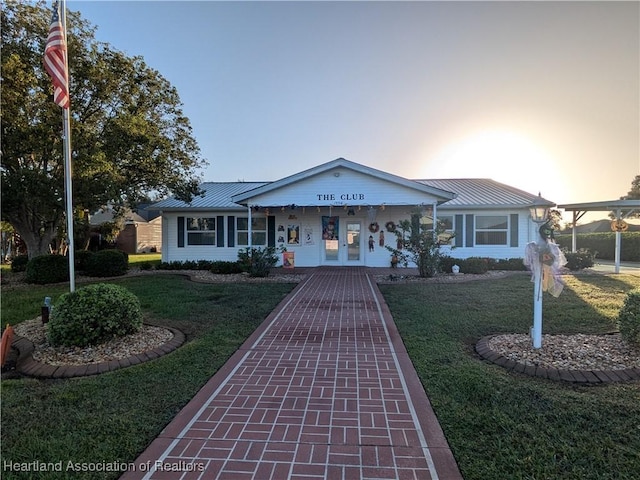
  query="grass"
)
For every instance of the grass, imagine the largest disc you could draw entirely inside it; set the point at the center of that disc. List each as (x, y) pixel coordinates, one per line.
(501, 425)
(112, 417)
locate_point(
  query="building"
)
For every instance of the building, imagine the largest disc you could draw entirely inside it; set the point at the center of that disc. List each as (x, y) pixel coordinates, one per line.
(344, 213)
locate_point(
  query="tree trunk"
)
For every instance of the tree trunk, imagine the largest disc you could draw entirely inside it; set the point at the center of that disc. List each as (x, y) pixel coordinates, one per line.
(36, 240)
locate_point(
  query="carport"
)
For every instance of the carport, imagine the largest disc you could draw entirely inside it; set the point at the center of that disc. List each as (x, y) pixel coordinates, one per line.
(620, 208)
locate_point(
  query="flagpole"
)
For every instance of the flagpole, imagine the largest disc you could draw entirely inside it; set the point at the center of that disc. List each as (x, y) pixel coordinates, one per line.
(66, 126)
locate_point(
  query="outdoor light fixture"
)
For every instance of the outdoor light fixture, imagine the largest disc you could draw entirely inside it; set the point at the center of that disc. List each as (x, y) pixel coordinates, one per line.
(351, 212)
(539, 212)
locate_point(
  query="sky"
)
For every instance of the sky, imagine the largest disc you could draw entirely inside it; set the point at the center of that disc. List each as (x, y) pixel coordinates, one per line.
(543, 96)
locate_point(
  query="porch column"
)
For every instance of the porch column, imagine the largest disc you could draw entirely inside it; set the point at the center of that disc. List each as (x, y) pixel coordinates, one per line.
(249, 240)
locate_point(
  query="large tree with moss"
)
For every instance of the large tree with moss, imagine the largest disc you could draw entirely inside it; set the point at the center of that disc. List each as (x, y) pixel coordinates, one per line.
(128, 133)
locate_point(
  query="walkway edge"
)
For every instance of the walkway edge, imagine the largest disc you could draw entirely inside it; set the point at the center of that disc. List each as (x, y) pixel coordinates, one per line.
(443, 459)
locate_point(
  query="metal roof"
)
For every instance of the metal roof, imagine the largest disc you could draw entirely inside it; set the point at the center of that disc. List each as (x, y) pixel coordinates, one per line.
(443, 194)
(468, 193)
(603, 206)
(483, 193)
(217, 195)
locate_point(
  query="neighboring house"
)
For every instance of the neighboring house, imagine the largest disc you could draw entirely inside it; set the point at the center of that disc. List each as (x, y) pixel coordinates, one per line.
(140, 233)
(341, 213)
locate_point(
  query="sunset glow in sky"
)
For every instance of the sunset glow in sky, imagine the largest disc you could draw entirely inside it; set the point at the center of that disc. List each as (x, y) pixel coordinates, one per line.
(544, 96)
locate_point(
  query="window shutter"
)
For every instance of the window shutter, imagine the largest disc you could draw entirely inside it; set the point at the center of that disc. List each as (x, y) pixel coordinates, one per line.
(271, 231)
(220, 231)
(231, 231)
(470, 228)
(458, 230)
(180, 232)
(514, 230)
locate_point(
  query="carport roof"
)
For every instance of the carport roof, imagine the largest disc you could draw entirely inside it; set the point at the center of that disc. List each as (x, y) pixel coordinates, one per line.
(624, 205)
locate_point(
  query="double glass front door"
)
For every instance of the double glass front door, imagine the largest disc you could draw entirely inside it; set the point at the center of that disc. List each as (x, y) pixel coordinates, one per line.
(341, 247)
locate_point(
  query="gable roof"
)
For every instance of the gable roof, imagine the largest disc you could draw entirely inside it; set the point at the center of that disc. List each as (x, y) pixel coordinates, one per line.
(468, 193)
(483, 193)
(444, 195)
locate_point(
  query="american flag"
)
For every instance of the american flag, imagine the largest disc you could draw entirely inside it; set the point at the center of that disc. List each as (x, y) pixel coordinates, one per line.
(55, 64)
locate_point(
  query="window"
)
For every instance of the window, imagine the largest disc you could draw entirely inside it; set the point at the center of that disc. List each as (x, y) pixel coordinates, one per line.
(492, 229)
(258, 231)
(201, 231)
(445, 226)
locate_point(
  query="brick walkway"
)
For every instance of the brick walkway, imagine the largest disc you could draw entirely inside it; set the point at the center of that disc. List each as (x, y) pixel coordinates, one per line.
(322, 390)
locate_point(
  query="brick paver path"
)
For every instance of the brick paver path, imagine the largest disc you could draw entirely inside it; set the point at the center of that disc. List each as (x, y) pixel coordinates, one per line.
(322, 390)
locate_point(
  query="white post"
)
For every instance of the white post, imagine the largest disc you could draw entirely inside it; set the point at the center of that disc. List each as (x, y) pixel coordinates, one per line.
(536, 330)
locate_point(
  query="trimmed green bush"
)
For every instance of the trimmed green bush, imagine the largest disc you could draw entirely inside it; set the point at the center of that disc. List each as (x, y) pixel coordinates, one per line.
(226, 268)
(47, 269)
(512, 264)
(19, 263)
(579, 260)
(94, 314)
(479, 265)
(107, 263)
(81, 258)
(629, 318)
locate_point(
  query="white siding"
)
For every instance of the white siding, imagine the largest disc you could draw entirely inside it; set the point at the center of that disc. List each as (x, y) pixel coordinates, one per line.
(349, 188)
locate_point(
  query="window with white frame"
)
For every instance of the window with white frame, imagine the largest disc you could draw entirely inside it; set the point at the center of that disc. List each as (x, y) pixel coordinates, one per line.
(258, 231)
(446, 229)
(492, 229)
(201, 231)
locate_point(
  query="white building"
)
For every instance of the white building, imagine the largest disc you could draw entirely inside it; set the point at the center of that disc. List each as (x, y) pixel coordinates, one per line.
(343, 213)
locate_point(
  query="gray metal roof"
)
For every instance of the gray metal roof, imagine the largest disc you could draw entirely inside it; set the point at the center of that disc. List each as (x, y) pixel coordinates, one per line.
(217, 195)
(603, 206)
(483, 193)
(470, 192)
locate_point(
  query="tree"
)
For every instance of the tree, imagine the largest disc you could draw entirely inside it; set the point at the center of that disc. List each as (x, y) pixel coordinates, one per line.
(634, 193)
(128, 133)
(418, 243)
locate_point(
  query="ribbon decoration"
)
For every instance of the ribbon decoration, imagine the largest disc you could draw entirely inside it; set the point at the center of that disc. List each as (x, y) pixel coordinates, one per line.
(546, 258)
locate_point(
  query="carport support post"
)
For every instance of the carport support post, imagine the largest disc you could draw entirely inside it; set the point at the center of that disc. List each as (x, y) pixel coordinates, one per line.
(618, 241)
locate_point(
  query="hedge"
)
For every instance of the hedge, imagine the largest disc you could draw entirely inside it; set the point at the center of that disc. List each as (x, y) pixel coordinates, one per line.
(604, 244)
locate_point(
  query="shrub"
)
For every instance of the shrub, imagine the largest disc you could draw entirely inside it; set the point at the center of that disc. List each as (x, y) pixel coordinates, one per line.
(47, 269)
(146, 266)
(19, 263)
(94, 314)
(475, 265)
(81, 258)
(258, 261)
(226, 268)
(512, 264)
(107, 263)
(579, 260)
(447, 263)
(629, 318)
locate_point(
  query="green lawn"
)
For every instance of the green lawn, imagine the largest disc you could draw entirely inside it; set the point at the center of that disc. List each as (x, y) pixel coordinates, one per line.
(112, 417)
(499, 425)
(508, 426)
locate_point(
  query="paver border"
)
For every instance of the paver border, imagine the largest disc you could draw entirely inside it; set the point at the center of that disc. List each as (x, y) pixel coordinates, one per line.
(585, 377)
(26, 365)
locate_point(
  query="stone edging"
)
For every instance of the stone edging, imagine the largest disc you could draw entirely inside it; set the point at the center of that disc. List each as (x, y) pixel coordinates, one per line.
(573, 376)
(26, 365)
